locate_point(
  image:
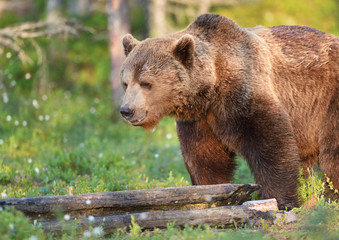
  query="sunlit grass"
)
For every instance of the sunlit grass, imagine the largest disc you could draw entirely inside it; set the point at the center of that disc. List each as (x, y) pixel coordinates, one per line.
(66, 138)
(63, 139)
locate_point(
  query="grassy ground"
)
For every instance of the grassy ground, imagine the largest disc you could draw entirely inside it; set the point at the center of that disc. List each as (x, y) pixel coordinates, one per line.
(51, 142)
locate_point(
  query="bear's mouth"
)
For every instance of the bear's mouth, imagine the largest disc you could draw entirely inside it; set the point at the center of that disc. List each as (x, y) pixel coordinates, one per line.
(138, 121)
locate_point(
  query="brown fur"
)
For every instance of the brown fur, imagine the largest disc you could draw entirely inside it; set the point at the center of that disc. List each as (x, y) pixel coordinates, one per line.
(267, 94)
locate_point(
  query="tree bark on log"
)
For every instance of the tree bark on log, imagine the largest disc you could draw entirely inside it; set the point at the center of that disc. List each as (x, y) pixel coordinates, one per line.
(109, 203)
(215, 205)
(227, 216)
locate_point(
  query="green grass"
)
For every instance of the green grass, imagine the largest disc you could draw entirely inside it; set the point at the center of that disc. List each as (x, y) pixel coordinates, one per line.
(69, 139)
(72, 141)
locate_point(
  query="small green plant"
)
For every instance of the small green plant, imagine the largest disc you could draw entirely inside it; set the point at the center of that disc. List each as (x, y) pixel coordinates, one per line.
(135, 229)
(312, 185)
(14, 225)
(321, 223)
(330, 185)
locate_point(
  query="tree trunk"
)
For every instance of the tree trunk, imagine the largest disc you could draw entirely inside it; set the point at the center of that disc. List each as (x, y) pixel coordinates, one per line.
(53, 9)
(118, 26)
(79, 7)
(204, 6)
(157, 18)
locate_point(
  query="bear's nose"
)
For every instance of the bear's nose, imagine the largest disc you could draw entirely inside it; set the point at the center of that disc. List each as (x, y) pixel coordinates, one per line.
(126, 113)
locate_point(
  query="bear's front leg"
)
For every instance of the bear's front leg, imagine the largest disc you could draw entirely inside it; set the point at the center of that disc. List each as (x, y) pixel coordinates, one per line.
(206, 160)
(267, 143)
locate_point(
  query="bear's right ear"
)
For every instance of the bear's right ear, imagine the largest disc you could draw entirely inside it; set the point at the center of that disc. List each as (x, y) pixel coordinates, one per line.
(184, 50)
(129, 42)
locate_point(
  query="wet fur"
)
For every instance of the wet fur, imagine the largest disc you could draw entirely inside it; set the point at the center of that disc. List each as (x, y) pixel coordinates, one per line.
(267, 94)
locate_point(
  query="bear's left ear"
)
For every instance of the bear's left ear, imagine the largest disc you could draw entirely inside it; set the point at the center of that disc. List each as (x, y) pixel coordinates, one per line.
(184, 50)
(129, 42)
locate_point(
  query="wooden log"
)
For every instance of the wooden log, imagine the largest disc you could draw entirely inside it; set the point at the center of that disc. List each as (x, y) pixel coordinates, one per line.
(109, 203)
(263, 205)
(227, 216)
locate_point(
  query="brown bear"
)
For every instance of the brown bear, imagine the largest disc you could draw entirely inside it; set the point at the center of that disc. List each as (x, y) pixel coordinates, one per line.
(269, 94)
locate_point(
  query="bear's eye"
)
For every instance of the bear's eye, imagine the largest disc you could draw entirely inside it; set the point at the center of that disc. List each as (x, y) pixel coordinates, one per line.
(146, 85)
(125, 85)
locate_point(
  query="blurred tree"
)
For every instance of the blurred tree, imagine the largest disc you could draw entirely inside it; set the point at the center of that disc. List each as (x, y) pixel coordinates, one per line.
(157, 18)
(53, 9)
(18, 6)
(118, 26)
(169, 15)
(79, 7)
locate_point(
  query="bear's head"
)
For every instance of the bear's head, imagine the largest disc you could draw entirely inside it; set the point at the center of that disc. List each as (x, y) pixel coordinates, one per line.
(164, 76)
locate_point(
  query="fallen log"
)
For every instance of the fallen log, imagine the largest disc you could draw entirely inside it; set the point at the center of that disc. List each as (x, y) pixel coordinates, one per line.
(111, 203)
(215, 205)
(227, 216)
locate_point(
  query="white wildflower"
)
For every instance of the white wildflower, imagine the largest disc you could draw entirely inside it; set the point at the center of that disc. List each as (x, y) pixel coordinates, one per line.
(44, 97)
(208, 198)
(8, 118)
(93, 110)
(41, 118)
(29, 160)
(5, 97)
(168, 136)
(37, 170)
(100, 155)
(24, 123)
(91, 218)
(97, 231)
(8, 55)
(156, 155)
(16, 123)
(33, 238)
(67, 217)
(13, 83)
(143, 216)
(87, 234)
(47, 117)
(35, 103)
(1, 141)
(88, 202)
(3, 195)
(27, 76)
